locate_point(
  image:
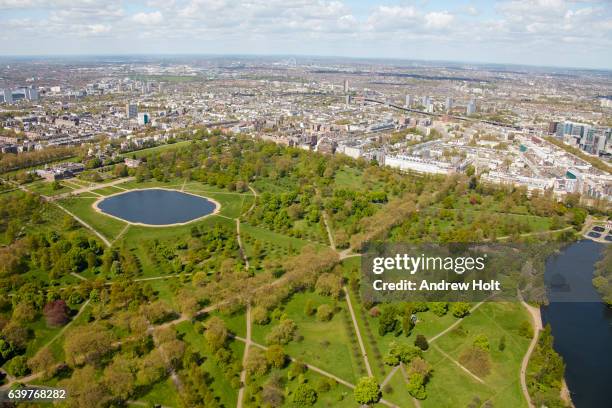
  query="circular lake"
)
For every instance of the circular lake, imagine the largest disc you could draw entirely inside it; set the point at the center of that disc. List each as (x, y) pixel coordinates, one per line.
(156, 206)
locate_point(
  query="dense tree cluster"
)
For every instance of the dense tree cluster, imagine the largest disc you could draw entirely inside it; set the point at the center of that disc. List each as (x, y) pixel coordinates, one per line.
(545, 372)
(603, 276)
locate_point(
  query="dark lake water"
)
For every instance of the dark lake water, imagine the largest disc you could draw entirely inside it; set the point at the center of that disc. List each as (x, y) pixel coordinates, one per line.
(583, 328)
(156, 206)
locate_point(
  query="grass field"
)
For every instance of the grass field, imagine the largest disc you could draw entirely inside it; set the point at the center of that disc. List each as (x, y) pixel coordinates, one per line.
(46, 188)
(324, 344)
(329, 345)
(82, 208)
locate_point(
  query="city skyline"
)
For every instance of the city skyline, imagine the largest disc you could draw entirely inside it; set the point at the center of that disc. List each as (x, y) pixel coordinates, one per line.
(556, 33)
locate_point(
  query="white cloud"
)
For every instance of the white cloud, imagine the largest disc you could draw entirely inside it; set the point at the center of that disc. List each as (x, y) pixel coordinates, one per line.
(154, 17)
(98, 28)
(278, 26)
(390, 18)
(438, 19)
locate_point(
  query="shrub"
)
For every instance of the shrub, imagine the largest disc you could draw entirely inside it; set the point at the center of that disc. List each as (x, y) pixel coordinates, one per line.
(438, 308)
(304, 395)
(18, 366)
(325, 312)
(502, 343)
(421, 342)
(482, 342)
(367, 391)
(460, 309)
(282, 333)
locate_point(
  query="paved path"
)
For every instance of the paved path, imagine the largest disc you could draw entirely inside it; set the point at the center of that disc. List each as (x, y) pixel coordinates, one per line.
(536, 320)
(123, 231)
(88, 189)
(452, 326)
(247, 344)
(102, 237)
(536, 233)
(318, 370)
(359, 338)
(330, 236)
(254, 200)
(388, 377)
(458, 364)
(76, 275)
(240, 246)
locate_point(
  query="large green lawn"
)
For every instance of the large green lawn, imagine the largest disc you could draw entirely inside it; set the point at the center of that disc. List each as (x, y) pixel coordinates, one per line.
(82, 207)
(325, 344)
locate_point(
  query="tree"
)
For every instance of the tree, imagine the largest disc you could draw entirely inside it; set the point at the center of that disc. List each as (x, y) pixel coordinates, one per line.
(296, 369)
(57, 313)
(416, 386)
(282, 333)
(85, 389)
(272, 395)
(329, 284)
(325, 312)
(482, 342)
(18, 366)
(460, 309)
(421, 342)
(276, 356)
(401, 353)
(438, 308)
(367, 391)
(216, 333)
(259, 315)
(87, 344)
(119, 377)
(309, 308)
(387, 322)
(304, 395)
(43, 362)
(256, 363)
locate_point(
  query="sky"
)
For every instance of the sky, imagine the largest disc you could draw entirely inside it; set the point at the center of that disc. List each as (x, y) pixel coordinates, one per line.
(572, 33)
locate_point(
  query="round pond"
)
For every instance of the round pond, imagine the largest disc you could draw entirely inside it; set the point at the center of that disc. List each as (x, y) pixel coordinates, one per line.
(156, 206)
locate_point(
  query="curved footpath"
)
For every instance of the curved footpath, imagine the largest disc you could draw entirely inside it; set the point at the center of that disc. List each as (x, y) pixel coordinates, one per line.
(536, 319)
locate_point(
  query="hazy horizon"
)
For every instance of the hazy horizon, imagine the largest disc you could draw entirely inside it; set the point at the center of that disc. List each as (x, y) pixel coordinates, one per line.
(548, 33)
(390, 60)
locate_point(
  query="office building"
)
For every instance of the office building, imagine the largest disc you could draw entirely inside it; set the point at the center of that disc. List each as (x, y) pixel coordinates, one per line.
(31, 94)
(346, 86)
(449, 104)
(471, 108)
(408, 101)
(131, 110)
(144, 118)
(8, 96)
